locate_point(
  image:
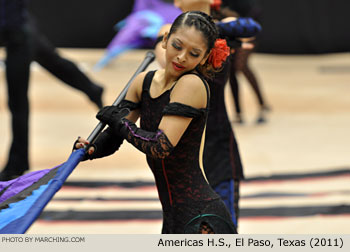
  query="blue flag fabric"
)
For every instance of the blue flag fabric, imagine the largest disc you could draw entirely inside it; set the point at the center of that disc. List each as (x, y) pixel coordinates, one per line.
(24, 198)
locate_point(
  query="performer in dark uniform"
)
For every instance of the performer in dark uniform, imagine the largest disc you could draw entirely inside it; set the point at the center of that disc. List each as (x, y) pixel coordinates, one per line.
(15, 36)
(240, 59)
(173, 105)
(221, 158)
(45, 53)
(24, 43)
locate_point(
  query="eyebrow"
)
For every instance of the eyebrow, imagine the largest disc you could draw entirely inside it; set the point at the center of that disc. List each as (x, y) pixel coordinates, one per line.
(197, 50)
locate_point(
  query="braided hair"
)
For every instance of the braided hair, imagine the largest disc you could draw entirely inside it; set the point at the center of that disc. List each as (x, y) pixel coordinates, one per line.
(203, 23)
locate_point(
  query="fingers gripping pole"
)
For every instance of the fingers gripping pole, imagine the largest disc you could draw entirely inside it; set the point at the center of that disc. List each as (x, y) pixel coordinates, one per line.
(145, 63)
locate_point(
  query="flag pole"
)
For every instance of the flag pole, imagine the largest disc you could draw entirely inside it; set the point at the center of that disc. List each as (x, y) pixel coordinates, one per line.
(15, 221)
(150, 56)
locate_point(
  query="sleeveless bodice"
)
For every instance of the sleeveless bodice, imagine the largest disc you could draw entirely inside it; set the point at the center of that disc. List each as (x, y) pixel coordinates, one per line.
(178, 177)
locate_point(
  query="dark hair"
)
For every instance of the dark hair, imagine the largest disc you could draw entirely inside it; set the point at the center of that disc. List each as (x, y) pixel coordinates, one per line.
(203, 23)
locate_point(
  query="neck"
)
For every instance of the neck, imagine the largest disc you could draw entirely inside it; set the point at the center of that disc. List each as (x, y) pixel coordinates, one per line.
(166, 79)
(203, 7)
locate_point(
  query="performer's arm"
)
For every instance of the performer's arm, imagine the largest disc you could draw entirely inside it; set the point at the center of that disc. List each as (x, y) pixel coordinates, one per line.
(108, 142)
(134, 95)
(238, 32)
(189, 95)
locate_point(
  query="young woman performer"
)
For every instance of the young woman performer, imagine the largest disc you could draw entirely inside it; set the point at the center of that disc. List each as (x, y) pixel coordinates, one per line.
(221, 158)
(172, 104)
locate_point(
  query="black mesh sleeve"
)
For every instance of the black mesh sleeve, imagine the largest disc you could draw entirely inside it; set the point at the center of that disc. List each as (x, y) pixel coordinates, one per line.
(154, 144)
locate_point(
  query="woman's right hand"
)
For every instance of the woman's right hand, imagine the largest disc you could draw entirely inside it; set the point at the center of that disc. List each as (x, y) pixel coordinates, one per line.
(81, 143)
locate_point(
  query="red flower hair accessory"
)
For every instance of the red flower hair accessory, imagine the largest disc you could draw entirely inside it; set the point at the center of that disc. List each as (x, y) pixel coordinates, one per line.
(219, 53)
(215, 5)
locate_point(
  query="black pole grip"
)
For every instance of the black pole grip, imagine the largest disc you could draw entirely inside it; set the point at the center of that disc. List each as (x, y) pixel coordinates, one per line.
(150, 56)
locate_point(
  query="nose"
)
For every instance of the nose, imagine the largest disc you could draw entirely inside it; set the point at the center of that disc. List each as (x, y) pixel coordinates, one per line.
(181, 57)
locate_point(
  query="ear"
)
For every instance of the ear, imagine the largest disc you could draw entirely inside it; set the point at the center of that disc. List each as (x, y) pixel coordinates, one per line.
(165, 40)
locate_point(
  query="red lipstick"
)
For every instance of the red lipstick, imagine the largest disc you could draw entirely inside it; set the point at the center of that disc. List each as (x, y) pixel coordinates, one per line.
(178, 67)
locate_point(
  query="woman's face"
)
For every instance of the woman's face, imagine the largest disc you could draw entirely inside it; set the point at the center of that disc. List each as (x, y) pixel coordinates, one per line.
(185, 49)
(188, 5)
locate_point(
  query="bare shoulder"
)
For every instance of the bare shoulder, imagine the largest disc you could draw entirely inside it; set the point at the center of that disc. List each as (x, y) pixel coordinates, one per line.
(191, 81)
(191, 90)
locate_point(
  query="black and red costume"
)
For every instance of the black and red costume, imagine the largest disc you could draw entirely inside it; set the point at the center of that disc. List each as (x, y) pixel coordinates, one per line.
(189, 203)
